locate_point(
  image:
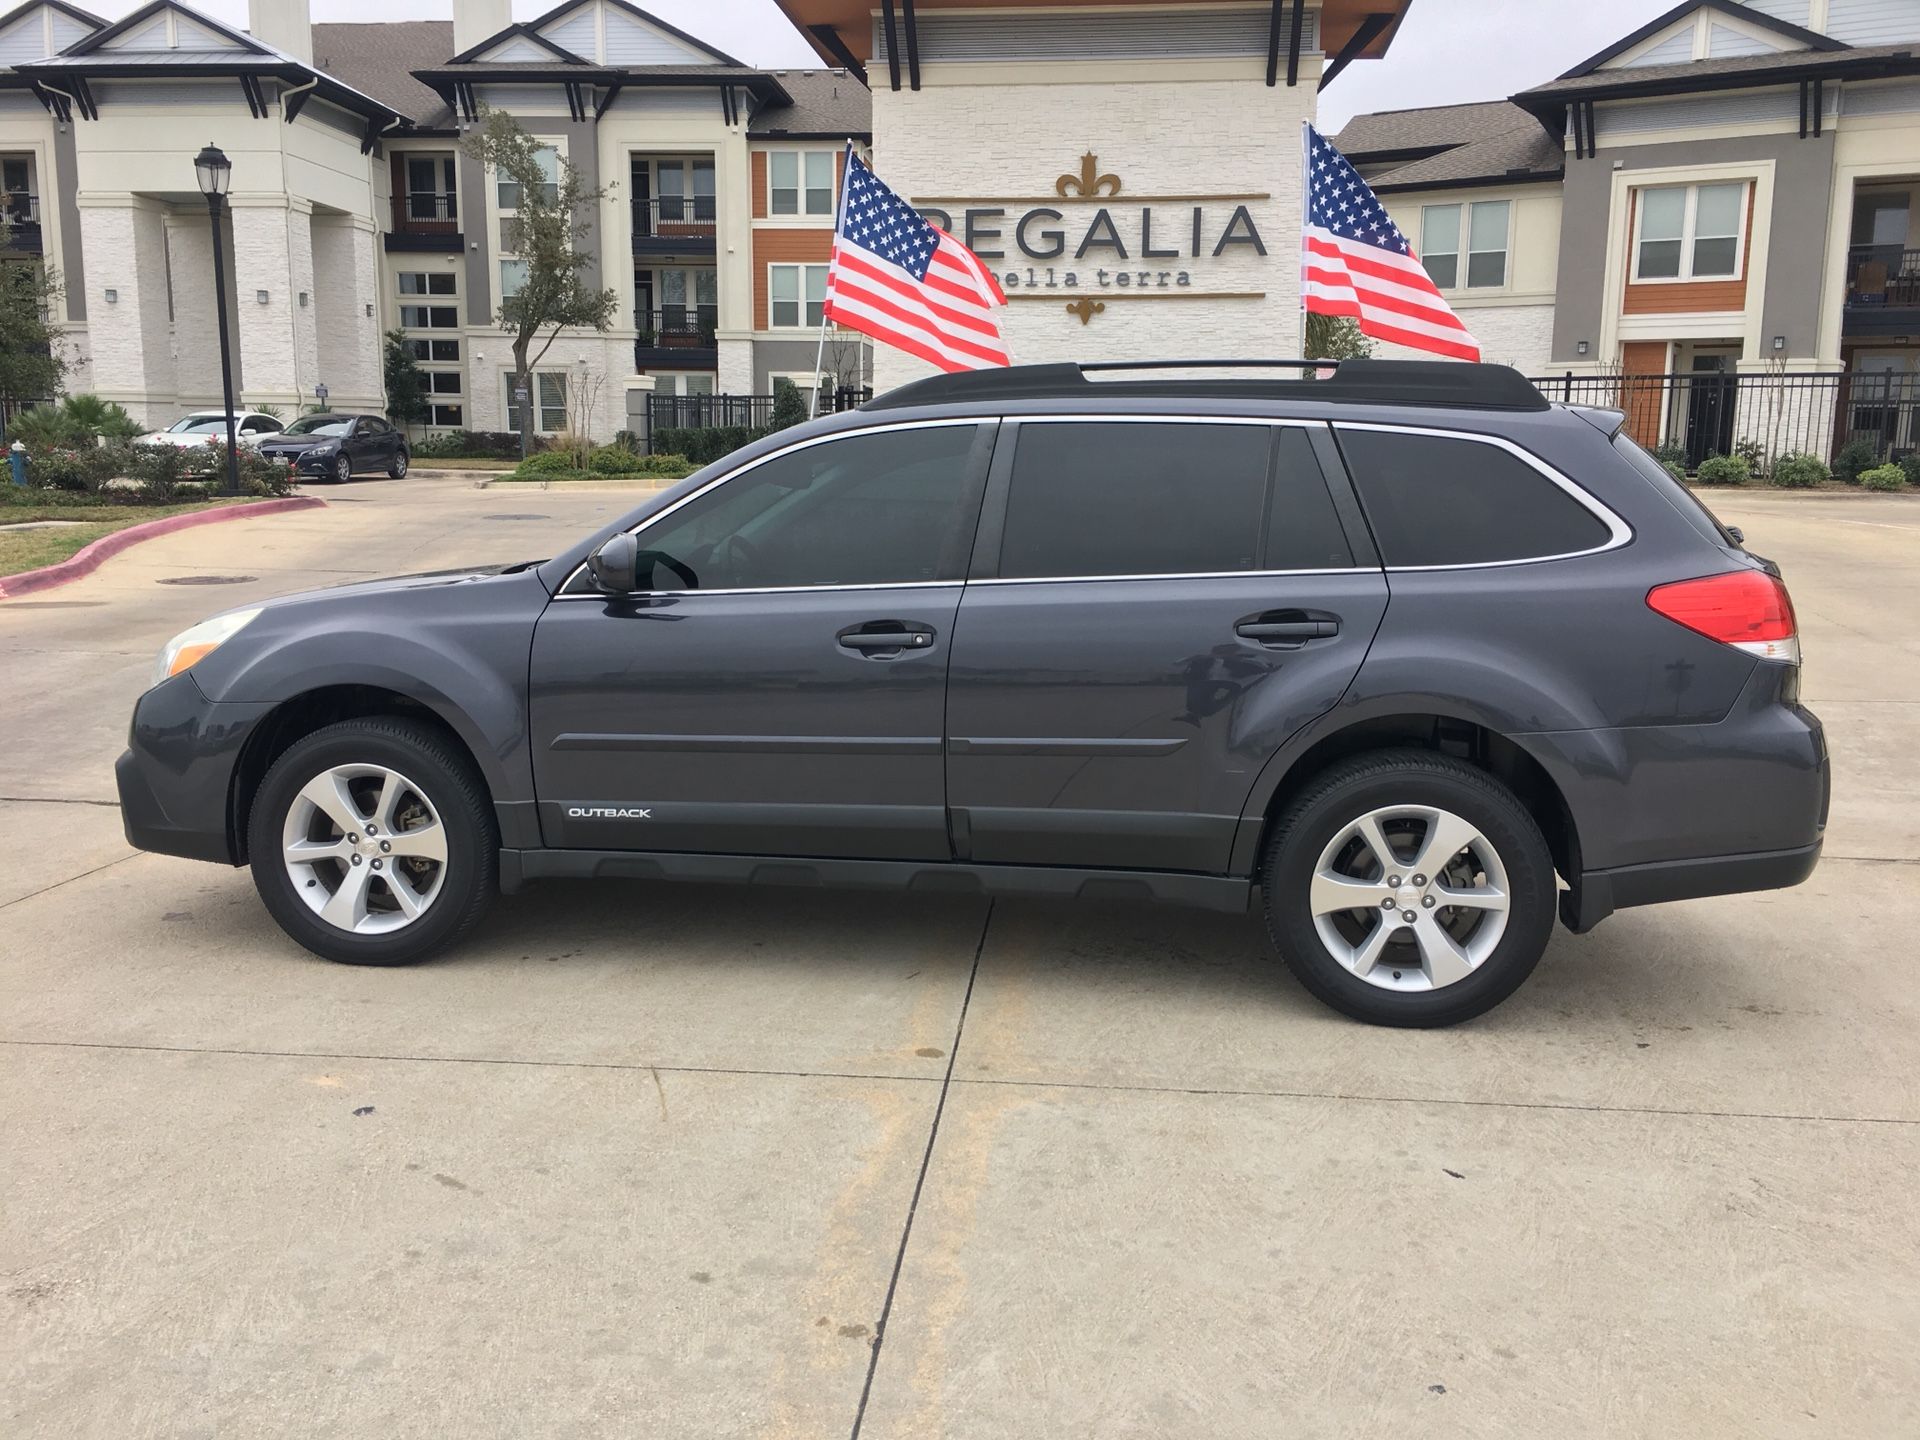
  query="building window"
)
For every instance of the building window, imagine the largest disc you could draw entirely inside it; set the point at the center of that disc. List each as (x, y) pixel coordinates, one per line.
(1486, 243)
(548, 158)
(429, 317)
(1689, 232)
(444, 351)
(513, 275)
(801, 182)
(788, 284)
(416, 282)
(551, 411)
(430, 189)
(446, 416)
(443, 382)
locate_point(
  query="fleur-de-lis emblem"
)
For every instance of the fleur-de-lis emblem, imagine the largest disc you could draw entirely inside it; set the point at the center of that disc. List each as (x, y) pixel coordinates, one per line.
(1089, 181)
(1086, 309)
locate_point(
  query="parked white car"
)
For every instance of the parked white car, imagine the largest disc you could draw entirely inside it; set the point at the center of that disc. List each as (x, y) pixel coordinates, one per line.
(203, 426)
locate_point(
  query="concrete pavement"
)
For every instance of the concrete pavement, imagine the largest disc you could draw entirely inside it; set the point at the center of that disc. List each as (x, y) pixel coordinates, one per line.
(656, 1160)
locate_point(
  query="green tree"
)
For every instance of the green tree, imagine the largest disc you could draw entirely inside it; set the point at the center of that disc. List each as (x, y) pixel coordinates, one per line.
(788, 407)
(31, 365)
(1335, 337)
(406, 381)
(549, 237)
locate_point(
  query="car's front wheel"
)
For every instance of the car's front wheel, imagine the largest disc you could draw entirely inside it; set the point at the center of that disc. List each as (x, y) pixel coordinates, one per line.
(373, 842)
(342, 469)
(1408, 888)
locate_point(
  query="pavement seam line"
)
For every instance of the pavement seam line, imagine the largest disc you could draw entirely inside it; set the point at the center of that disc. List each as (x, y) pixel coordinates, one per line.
(628, 1065)
(920, 1181)
(35, 894)
(54, 800)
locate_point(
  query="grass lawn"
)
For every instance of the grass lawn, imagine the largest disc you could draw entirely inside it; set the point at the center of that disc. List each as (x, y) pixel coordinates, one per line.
(30, 549)
(460, 462)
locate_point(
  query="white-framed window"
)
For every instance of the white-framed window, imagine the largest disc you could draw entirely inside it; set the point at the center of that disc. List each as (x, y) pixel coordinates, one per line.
(797, 295)
(429, 317)
(445, 352)
(507, 190)
(426, 282)
(1689, 232)
(1488, 224)
(800, 182)
(513, 275)
(550, 412)
(682, 382)
(449, 417)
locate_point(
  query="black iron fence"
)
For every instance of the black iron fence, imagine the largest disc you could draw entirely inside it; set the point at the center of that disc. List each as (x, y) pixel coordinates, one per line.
(429, 211)
(751, 411)
(1762, 416)
(677, 327)
(1883, 275)
(669, 217)
(20, 207)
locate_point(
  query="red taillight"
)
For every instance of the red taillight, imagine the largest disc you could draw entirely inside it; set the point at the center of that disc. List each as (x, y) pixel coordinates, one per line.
(1748, 609)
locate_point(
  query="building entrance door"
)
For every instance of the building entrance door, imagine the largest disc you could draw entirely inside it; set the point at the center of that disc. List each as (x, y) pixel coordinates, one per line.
(1709, 404)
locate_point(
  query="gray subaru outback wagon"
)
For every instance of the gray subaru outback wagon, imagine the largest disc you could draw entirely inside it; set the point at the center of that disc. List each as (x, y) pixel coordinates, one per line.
(1418, 656)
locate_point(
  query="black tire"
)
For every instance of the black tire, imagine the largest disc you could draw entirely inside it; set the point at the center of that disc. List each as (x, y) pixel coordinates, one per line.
(398, 469)
(444, 775)
(1377, 780)
(342, 470)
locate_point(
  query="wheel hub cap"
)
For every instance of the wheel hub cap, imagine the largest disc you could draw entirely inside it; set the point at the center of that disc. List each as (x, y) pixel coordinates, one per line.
(365, 849)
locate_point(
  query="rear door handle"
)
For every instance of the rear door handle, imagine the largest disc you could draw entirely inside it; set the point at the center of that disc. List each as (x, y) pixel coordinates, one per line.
(1286, 627)
(883, 635)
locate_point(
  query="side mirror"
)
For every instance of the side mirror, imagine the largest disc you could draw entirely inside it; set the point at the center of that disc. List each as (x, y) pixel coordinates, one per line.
(1737, 535)
(612, 565)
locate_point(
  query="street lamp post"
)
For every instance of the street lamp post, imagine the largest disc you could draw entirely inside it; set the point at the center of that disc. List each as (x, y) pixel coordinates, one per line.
(215, 173)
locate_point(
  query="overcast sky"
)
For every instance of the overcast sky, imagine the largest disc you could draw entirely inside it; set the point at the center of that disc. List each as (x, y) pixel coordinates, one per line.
(1447, 51)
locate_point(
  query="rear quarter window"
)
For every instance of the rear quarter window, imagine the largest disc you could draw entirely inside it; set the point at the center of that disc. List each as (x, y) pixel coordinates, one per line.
(1436, 500)
(1691, 507)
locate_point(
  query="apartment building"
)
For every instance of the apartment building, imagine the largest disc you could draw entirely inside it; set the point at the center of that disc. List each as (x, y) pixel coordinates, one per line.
(1726, 195)
(354, 210)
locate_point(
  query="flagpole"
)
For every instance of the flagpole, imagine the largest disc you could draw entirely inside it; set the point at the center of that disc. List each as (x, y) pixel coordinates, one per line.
(820, 350)
(1306, 211)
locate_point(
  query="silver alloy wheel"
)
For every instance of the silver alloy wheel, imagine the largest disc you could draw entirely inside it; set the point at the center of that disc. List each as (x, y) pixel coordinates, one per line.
(400, 466)
(1410, 897)
(343, 468)
(364, 848)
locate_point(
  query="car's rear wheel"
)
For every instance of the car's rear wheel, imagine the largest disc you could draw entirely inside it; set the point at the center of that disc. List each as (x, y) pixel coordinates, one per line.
(1408, 888)
(342, 469)
(373, 843)
(398, 469)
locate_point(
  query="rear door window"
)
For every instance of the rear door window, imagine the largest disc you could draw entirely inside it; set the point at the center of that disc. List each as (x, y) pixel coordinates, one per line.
(1088, 499)
(1437, 500)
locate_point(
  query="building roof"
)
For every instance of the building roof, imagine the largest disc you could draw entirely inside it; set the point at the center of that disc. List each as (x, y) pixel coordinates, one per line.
(824, 104)
(380, 59)
(1799, 34)
(1490, 142)
(1732, 72)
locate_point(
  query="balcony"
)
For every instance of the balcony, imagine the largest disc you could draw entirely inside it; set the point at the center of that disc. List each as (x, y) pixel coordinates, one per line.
(677, 337)
(1883, 290)
(23, 216)
(425, 220)
(674, 225)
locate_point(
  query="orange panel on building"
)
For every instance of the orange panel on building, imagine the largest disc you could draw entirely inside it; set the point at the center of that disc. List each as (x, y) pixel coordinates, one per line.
(1690, 297)
(784, 247)
(1642, 401)
(759, 184)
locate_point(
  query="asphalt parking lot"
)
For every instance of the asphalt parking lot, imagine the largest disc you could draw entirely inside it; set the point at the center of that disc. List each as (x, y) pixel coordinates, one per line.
(699, 1162)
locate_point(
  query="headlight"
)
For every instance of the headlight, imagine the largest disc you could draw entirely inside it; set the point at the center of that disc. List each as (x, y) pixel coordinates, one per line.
(191, 646)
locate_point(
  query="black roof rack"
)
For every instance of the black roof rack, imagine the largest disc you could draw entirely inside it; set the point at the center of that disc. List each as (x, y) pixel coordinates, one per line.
(1440, 383)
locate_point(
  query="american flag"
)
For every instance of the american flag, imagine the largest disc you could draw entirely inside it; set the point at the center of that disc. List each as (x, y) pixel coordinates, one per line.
(908, 284)
(1357, 263)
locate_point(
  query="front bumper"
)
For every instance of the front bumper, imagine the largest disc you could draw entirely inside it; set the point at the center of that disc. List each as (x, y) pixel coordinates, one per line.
(176, 777)
(304, 462)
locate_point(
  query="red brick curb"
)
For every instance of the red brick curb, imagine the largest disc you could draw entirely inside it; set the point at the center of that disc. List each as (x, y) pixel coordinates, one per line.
(86, 561)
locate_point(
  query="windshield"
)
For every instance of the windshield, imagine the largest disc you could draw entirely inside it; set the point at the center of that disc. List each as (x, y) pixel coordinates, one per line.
(320, 425)
(198, 425)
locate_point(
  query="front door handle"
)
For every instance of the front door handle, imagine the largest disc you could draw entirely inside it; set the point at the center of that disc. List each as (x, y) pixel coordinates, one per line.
(1287, 627)
(883, 639)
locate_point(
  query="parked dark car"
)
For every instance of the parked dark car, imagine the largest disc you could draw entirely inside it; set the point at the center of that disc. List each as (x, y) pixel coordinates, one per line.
(1395, 648)
(340, 446)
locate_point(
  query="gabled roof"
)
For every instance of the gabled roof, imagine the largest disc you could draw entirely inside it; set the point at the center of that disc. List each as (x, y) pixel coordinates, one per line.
(1742, 72)
(821, 105)
(1447, 146)
(74, 12)
(720, 56)
(1811, 39)
(522, 32)
(103, 37)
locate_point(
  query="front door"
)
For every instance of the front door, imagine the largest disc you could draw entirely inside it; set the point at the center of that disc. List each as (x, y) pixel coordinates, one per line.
(1710, 404)
(1157, 606)
(778, 685)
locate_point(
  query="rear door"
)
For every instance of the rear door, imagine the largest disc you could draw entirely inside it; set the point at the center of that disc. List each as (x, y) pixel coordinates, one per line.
(779, 685)
(1157, 604)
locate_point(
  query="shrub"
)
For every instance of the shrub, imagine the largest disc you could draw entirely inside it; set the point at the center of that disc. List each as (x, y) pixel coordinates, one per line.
(705, 444)
(166, 472)
(1671, 454)
(1723, 470)
(91, 415)
(614, 460)
(1854, 457)
(469, 445)
(788, 407)
(1799, 472)
(46, 427)
(1910, 466)
(1884, 477)
(547, 462)
(1675, 469)
(668, 467)
(1754, 453)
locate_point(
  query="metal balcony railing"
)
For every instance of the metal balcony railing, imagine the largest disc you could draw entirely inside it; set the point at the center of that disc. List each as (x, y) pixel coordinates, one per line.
(675, 327)
(20, 207)
(675, 217)
(427, 212)
(1883, 275)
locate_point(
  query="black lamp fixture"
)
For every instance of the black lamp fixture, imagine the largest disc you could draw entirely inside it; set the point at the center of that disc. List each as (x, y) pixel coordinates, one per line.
(215, 173)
